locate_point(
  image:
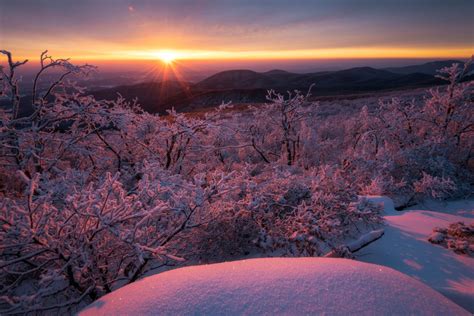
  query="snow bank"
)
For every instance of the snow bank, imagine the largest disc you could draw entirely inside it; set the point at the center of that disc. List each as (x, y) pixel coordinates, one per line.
(387, 204)
(405, 247)
(277, 286)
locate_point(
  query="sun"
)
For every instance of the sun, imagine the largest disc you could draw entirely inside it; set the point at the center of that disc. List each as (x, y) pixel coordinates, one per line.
(167, 56)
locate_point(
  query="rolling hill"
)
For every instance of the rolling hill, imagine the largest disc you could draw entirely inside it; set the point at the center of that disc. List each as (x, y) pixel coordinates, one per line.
(426, 68)
(247, 86)
(243, 86)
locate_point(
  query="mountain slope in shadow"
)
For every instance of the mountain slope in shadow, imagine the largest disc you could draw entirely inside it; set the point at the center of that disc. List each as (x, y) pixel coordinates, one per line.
(430, 68)
(247, 86)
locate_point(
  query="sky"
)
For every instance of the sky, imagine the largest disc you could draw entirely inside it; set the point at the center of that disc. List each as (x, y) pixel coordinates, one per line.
(108, 30)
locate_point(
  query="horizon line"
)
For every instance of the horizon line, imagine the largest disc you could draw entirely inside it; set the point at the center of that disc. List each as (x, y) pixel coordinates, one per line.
(261, 55)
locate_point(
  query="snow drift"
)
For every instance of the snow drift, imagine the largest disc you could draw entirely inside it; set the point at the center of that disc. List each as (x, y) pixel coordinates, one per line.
(405, 247)
(276, 286)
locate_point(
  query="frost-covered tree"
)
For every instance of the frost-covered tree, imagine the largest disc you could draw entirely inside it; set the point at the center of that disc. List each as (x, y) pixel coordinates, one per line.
(276, 131)
(94, 194)
(90, 204)
(405, 146)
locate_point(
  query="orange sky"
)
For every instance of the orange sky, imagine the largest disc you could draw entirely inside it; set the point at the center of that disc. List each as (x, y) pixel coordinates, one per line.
(105, 30)
(110, 53)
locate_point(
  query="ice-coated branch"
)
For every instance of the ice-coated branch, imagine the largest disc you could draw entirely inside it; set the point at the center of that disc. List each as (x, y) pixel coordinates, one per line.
(358, 244)
(11, 81)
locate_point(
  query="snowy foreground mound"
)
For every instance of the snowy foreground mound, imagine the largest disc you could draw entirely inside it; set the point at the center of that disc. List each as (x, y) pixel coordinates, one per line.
(277, 286)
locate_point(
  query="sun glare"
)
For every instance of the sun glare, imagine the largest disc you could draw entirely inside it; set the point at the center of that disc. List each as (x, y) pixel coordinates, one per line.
(166, 56)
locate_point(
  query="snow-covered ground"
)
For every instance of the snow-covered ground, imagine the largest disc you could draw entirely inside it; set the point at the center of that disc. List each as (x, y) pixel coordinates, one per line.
(272, 286)
(404, 247)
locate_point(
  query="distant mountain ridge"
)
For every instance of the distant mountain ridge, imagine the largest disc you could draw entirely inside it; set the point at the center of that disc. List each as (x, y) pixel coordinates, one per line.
(248, 86)
(363, 77)
(429, 68)
(237, 79)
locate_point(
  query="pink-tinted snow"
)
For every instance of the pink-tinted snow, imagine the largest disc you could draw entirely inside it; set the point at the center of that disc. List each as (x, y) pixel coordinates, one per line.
(277, 286)
(405, 247)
